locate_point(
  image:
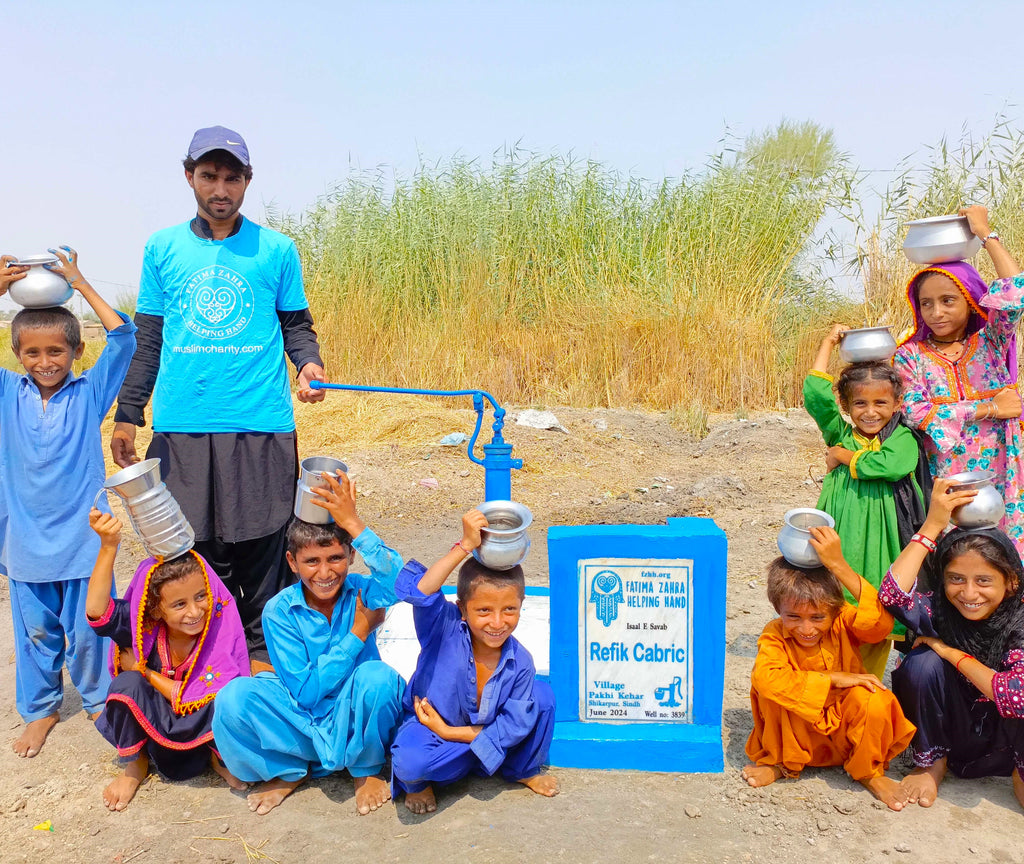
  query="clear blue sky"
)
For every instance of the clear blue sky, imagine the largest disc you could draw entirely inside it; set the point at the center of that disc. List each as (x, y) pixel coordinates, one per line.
(100, 99)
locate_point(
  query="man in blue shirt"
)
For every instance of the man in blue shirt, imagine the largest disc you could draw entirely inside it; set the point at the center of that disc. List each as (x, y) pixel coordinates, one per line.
(220, 303)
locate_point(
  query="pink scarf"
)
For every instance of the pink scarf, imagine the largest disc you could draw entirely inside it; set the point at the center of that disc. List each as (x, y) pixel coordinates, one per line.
(219, 654)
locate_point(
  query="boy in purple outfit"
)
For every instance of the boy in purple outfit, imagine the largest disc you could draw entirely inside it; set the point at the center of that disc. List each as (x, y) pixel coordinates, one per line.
(51, 465)
(474, 703)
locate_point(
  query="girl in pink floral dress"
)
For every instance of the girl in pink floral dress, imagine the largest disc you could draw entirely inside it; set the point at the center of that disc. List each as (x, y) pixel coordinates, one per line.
(959, 369)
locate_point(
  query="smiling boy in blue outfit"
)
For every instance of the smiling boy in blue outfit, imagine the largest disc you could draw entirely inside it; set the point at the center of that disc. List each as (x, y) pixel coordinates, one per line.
(474, 704)
(330, 704)
(51, 466)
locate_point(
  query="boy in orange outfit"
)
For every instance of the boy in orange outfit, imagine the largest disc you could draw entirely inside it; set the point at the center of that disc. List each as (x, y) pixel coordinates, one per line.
(812, 701)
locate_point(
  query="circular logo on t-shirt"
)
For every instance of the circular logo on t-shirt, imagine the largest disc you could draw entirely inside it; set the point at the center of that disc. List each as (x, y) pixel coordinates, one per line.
(216, 303)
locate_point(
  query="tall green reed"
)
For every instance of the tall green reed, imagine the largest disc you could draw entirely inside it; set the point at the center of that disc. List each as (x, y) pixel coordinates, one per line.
(547, 279)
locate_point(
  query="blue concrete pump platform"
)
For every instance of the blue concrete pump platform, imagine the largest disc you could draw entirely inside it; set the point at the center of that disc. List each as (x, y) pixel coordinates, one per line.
(691, 746)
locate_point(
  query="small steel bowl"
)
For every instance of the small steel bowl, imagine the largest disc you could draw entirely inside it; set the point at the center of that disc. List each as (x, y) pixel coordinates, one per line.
(865, 344)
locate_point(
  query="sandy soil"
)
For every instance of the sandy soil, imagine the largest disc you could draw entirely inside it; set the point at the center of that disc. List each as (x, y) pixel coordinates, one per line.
(611, 467)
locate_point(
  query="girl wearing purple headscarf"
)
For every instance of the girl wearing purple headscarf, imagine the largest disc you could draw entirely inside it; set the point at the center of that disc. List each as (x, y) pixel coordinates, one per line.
(176, 640)
(959, 369)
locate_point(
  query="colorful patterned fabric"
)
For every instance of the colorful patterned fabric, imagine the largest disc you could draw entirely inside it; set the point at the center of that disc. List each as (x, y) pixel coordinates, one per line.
(941, 397)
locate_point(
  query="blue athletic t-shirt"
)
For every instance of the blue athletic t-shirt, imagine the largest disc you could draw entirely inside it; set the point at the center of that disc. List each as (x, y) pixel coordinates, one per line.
(222, 366)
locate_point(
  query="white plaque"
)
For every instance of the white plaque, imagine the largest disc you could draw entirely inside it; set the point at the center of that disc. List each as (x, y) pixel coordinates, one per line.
(635, 662)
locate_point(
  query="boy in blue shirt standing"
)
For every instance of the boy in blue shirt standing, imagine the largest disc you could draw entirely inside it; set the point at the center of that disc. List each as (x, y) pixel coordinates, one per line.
(474, 703)
(51, 466)
(330, 704)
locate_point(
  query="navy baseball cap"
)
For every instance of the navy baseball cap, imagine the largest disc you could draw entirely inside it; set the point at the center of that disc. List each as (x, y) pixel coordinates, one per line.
(218, 138)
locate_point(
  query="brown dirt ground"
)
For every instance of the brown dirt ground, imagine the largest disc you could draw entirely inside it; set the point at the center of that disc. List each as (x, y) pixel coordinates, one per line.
(612, 467)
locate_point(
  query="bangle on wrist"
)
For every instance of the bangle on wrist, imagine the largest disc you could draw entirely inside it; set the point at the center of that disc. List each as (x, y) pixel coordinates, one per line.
(927, 542)
(991, 236)
(961, 660)
(458, 545)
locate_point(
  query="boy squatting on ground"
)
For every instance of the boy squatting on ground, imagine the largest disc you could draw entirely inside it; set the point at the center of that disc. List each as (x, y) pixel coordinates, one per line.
(474, 703)
(51, 465)
(812, 701)
(331, 703)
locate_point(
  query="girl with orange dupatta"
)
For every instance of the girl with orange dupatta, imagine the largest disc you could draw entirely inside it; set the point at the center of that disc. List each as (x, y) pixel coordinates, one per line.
(177, 640)
(959, 369)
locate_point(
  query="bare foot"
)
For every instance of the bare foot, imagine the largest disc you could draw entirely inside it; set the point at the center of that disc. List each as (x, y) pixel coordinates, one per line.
(94, 714)
(890, 792)
(421, 802)
(121, 791)
(228, 777)
(31, 740)
(1018, 787)
(542, 784)
(371, 793)
(271, 794)
(257, 666)
(761, 775)
(922, 784)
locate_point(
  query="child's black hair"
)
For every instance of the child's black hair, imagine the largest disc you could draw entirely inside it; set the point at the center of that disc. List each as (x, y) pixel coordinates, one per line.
(473, 573)
(169, 571)
(813, 585)
(301, 534)
(856, 374)
(47, 318)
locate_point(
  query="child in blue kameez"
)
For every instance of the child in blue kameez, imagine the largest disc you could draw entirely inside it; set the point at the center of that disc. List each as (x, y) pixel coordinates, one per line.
(474, 703)
(51, 466)
(331, 703)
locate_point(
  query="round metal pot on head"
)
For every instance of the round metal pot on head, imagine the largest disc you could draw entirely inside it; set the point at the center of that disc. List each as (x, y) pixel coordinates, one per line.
(795, 537)
(503, 542)
(312, 468)
(940, 238)
(40, 287)
(866, 344)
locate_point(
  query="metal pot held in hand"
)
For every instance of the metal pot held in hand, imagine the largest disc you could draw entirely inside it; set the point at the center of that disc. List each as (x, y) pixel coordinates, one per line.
(503, 542)
(40, 287)
(152, 509)
(795, 537)
(987, 509)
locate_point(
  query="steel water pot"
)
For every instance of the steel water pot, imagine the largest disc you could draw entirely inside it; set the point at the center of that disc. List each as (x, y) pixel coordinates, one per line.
(40, 287)
(312, 469)
(940, 238)
(865, 344)
(795, 537)
(152, 510)
(305, 509)
(503, 542)
(987, 509)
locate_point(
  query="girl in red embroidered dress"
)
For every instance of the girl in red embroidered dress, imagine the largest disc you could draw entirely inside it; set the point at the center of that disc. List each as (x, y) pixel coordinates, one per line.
(176, 641)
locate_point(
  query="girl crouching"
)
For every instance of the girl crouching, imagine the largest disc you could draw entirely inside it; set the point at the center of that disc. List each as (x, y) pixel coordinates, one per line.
(176, 641)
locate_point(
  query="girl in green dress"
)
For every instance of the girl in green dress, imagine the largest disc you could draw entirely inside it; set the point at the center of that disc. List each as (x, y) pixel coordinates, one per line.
(874, 487)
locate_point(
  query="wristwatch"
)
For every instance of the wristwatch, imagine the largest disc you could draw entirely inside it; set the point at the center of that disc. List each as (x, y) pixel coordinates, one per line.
(992, 236)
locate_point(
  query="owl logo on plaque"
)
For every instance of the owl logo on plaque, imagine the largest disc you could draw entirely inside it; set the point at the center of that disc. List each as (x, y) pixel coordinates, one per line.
(606, 595)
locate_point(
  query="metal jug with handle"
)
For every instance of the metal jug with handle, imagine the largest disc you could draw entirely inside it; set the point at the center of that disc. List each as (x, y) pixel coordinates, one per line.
(152, 509)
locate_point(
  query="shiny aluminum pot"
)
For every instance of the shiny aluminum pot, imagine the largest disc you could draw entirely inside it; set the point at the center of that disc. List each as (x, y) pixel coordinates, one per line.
(795, 537)
(503, 542)
(306, 510)
(865, 344)
(311, 469)
(987, 509)
(940, 238)
(40, 287)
